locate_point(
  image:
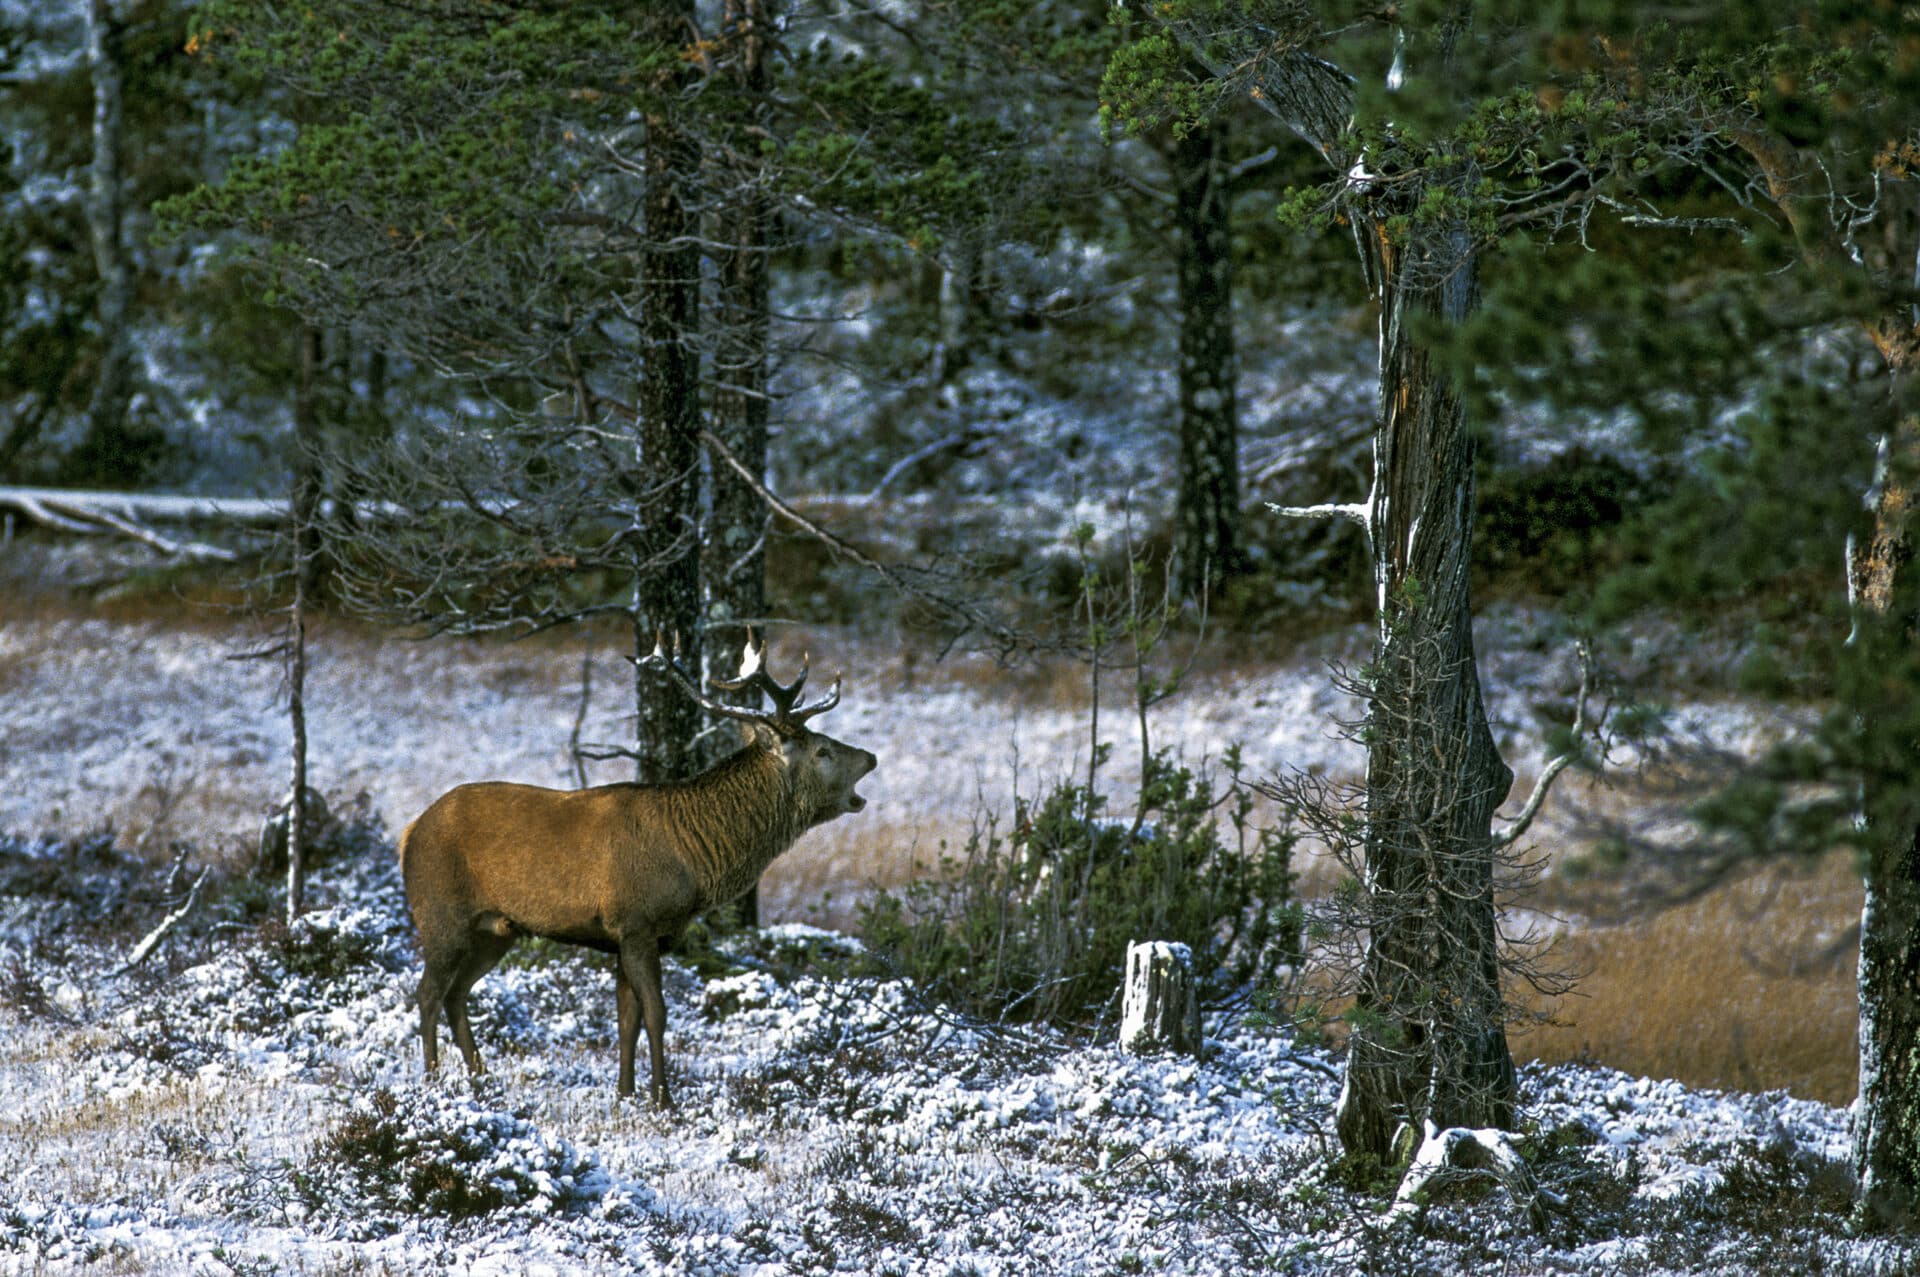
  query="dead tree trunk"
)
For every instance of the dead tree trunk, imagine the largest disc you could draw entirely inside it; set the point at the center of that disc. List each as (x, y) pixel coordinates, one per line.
(302, 508)
(1159, 1006)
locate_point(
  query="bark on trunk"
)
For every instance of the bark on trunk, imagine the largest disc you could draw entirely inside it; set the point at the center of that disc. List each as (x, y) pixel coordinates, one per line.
(734, 550)
(1429, 1040)
(302, 507)
(1886, 581)
(1887, 1114)
(1208, 510)
(106, 209)
(667, 588)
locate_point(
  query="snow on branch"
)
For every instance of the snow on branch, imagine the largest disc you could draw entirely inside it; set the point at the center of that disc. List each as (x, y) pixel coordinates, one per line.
(159, 933)
(1457, 1154)
(130, 515)
(1358, 511)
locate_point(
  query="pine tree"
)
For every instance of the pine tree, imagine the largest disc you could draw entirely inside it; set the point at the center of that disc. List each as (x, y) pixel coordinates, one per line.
(1428, 1040)
(466, 187)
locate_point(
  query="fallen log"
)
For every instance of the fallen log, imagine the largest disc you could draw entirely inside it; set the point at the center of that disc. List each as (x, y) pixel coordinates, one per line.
(79, 512)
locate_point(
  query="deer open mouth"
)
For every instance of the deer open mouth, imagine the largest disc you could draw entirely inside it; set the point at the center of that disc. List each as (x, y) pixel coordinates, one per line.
(855, 802)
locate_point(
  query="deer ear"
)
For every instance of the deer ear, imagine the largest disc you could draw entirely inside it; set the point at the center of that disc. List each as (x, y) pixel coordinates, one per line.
(759, 734)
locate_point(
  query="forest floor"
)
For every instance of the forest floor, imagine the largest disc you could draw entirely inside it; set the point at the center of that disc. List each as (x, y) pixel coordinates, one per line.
(236, 1104)
(251, 1101)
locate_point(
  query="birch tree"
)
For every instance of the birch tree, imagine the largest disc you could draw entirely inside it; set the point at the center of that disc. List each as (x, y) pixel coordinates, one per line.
(106, 226)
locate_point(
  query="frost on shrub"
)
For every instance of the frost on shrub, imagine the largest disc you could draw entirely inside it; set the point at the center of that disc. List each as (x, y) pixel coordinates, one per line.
(422, 1153)
(328, 947)
(1034, 924)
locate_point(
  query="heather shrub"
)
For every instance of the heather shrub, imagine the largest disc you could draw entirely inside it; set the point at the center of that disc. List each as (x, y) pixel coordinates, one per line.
(422, 1153)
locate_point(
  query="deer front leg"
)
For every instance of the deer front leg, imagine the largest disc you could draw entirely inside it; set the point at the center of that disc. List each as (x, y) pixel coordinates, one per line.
(640, 963)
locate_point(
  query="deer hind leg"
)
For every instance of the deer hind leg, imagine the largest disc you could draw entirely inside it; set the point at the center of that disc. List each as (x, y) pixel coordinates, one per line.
(482, 955)
(435, 982)
(640, 963)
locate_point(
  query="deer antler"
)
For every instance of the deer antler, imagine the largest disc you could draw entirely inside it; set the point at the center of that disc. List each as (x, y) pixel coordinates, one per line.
(786, 698)
(788, 712)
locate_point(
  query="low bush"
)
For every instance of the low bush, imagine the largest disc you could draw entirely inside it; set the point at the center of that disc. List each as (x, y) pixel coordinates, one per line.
(1779, 1188)
(1033, 924)
(419, 1153)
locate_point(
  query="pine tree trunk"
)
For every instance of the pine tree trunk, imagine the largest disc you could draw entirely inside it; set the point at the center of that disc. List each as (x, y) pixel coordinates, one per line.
(1887, 1115)
(1429, 1040)
(734, 550)
(1886, 579)
(667, 589)
(1208, 502)
(112, 388)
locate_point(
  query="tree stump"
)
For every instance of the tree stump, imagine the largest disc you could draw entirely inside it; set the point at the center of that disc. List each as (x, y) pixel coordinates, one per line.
(1158, 1011)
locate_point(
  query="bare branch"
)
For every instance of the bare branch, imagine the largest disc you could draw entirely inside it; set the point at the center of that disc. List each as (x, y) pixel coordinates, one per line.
(1360, 512)
(1513, 832)
(969, 613)
(153, 938)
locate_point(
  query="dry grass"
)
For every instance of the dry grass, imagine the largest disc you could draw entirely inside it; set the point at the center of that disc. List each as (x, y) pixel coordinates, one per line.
(824, 878)
(1750, 987)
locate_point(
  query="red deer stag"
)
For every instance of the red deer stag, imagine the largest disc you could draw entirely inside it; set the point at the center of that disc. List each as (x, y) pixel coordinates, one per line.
(619, 868)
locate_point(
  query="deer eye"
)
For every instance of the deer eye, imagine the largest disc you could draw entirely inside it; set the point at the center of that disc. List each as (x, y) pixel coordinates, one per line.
(820, 751)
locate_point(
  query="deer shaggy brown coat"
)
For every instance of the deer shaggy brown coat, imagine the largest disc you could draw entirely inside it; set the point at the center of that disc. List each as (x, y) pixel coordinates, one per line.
(619, 868)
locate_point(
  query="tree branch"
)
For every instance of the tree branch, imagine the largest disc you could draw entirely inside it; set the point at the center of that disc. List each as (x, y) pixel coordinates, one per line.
(89, 514)
(972, 616)
(1360, 512)
(1551, 773)
(154, 937)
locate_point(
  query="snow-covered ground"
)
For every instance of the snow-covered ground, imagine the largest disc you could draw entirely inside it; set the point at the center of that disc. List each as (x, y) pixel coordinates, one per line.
(253, 1102)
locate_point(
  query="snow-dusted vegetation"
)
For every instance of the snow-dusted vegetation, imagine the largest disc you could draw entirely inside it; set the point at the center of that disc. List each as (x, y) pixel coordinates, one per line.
(252, 1101)
(1250, 459)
